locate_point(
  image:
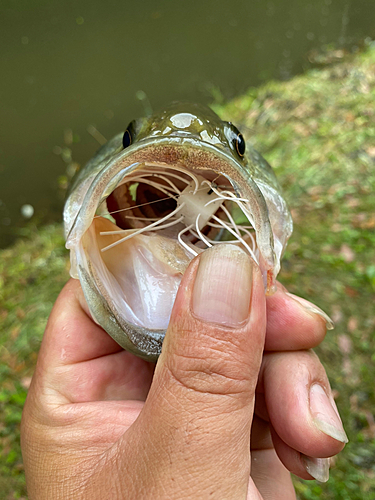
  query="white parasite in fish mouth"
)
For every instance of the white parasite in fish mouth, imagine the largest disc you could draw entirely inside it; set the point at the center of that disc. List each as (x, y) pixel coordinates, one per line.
(153, 198)
(189, 209)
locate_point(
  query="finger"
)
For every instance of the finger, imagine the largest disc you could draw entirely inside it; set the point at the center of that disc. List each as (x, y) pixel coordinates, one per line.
(294, 323)
(117, 376)
(275, 369)
(79, 362)
(299, 464)
(71, 336)
(270, 476)
(200, 406)
(300, 406)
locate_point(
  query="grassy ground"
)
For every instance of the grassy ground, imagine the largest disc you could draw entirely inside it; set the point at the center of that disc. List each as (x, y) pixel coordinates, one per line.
(318, 132)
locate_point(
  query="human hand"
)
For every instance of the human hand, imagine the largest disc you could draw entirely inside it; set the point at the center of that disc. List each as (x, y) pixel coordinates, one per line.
(99, 423)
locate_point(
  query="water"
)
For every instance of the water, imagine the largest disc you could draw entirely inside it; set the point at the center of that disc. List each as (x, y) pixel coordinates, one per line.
(70, 65)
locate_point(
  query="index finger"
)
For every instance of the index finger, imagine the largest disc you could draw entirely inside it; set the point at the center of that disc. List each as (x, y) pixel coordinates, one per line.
(294, 323)
(79, 362)
(71, 335)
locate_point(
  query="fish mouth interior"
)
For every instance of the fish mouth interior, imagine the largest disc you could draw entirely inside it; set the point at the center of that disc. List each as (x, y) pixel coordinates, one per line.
(144, 235)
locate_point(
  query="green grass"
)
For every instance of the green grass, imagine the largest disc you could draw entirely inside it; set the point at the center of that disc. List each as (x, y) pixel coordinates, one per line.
(318, 132)
(32, 273)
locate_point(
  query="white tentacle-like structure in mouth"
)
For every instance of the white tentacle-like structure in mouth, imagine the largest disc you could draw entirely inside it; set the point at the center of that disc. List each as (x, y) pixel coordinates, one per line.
(145, 233)
(197, 192)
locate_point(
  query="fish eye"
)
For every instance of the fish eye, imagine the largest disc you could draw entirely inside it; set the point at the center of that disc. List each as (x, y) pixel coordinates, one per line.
(128, 136)
(236, 140)
(240, 144)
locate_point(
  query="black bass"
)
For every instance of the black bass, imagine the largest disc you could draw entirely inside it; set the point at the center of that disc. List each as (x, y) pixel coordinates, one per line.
(152, 199)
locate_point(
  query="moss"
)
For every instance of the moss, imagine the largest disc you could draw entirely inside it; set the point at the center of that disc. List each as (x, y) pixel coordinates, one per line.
(318, 132)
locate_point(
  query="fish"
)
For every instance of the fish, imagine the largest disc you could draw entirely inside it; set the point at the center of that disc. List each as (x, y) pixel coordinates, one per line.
(153, 198)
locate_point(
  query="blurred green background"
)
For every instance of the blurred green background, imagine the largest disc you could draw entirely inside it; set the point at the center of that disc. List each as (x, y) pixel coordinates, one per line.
(297, 77)
(71, 65)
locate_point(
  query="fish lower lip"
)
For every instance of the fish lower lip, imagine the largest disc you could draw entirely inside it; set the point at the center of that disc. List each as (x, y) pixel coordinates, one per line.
(147, 231)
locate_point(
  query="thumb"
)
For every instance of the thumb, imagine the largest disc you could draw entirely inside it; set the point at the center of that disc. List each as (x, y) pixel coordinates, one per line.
(198, 414)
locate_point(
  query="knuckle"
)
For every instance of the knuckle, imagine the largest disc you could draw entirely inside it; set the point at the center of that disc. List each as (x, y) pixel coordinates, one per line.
(211, 365)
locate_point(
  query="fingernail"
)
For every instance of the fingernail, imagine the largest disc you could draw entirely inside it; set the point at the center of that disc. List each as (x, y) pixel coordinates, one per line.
(325, 414)
(311, 308)
(318, 468)
(222, 288)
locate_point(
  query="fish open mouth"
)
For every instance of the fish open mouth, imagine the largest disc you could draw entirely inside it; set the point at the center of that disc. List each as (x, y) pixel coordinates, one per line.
(146, 232)
(134, 226)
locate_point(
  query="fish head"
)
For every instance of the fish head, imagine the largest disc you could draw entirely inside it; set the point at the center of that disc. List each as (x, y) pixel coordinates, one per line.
(153, 198)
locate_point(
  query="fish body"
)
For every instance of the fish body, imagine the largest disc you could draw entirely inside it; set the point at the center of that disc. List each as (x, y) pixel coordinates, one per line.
(151, 199)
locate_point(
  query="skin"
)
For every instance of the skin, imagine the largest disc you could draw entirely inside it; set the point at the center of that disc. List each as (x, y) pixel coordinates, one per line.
(100, 422)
